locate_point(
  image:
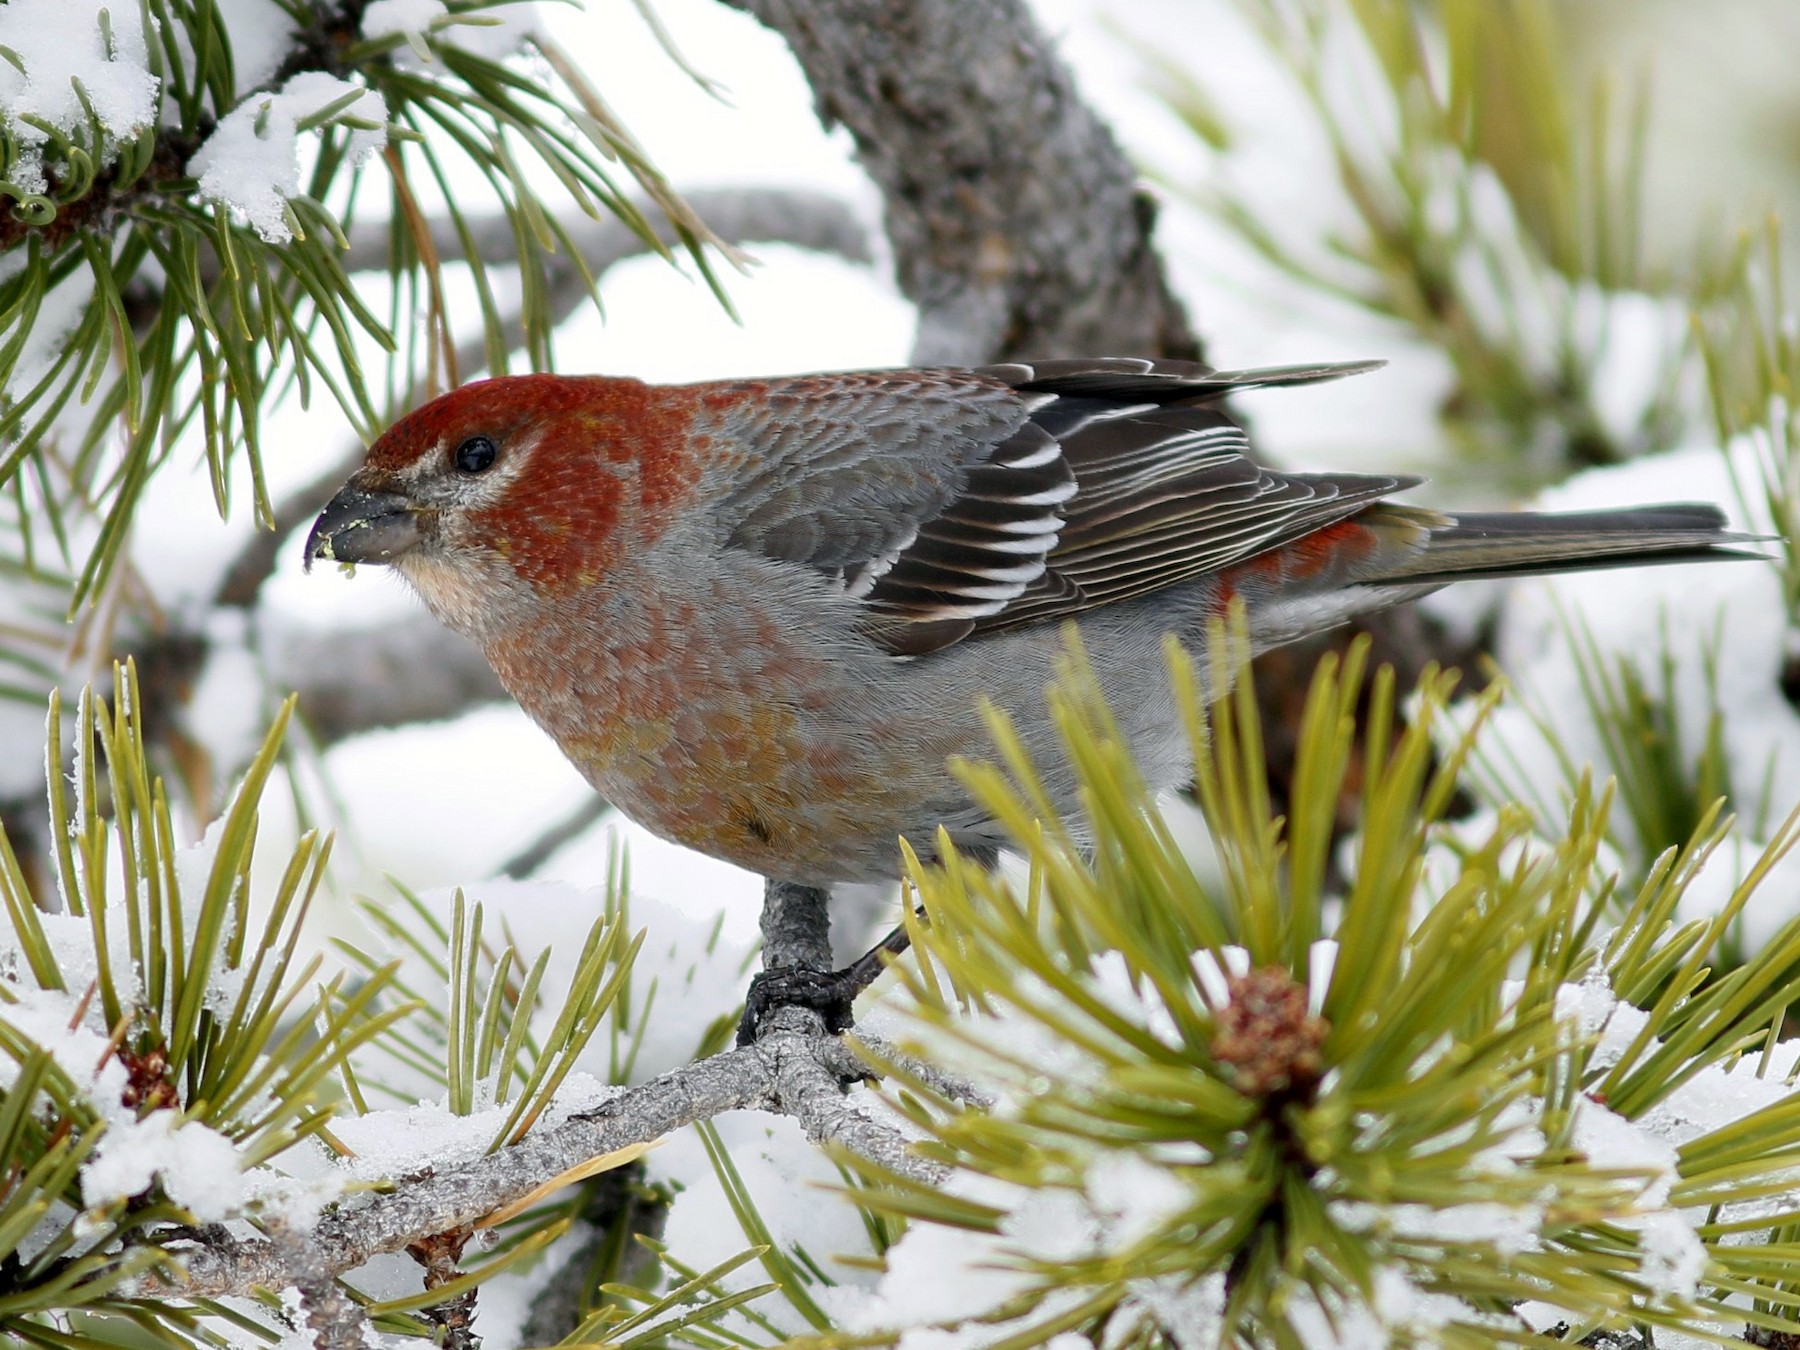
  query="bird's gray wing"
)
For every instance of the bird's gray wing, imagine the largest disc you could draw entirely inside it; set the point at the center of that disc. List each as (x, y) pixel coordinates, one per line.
(953, 501)
(1166, 487)
(927, 494)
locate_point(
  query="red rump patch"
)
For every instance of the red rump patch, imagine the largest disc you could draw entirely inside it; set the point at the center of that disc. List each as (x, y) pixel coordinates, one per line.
(605, 455)
(1305, 558)
(1345, 541)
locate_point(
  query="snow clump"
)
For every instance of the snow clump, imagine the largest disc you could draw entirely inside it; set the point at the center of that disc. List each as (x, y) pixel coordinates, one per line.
(384, 18)
(58, 45)
(251, 162)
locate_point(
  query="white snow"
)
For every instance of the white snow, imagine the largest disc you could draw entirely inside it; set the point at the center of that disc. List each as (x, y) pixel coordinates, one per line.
(384, 18)
(59, 311)
(428, 1134)
(46, 1018)
(1774, 903)
(1190, 1311)
(687, 973)
(942, 1275)
(261, 34)
(792, 1185)
(1134, 1197)
(251, 162)
(199, 1168)
(61, 43)
(1508, 1229)
(1214, 972)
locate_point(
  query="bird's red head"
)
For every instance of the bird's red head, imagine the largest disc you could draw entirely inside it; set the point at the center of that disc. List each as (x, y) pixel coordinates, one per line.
(547, 477)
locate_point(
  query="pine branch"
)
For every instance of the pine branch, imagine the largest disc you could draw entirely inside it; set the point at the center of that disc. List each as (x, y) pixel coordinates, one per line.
(181, 266)
(796, 1075)
(592, 810)
(401, 673)
(799, 217)
(108, 202)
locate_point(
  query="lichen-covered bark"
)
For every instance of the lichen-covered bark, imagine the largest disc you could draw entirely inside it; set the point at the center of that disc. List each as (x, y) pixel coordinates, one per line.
(1017, 225)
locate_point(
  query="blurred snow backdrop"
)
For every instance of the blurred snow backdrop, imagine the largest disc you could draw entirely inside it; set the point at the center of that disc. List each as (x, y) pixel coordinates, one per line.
(446, 805)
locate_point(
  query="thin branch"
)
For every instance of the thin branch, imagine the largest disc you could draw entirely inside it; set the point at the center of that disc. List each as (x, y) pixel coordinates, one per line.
(751, 215)
(453, 1320)
(593, 809)
(415, 670)
(950, 1085)
(794, 1074)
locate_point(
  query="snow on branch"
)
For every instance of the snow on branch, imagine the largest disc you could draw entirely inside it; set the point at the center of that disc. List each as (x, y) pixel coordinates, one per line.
(791, 1073)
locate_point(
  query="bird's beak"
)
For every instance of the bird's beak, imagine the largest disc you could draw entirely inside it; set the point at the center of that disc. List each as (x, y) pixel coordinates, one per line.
(364, 525)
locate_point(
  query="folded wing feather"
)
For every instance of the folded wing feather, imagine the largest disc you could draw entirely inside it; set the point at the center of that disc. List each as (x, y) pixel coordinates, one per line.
(951, 502)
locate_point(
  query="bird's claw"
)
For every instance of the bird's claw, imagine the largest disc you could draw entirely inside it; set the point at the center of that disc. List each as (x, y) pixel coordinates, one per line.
(827, 992)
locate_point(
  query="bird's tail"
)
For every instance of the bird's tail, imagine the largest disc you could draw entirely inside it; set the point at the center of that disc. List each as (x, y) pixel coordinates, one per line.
(1476, 546)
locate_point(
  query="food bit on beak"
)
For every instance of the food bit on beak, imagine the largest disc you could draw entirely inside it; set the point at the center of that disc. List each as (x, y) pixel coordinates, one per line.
(363, 526)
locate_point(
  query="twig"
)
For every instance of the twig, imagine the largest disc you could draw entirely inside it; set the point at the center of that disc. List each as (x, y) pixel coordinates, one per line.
(882, 1051)
(797, 1075)
(455, 1317)
(753, 215)
(534, 855)
(414, 670)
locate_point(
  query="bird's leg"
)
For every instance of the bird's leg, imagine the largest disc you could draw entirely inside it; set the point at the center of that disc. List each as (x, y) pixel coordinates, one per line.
(796, 928)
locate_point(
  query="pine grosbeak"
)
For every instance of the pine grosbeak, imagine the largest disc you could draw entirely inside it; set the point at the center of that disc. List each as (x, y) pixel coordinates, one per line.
(759, 615)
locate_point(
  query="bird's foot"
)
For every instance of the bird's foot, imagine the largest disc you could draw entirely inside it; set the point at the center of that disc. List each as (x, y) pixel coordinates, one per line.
(827, 992)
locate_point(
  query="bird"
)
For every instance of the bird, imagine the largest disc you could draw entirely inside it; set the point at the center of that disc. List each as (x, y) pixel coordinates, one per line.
(762, 615)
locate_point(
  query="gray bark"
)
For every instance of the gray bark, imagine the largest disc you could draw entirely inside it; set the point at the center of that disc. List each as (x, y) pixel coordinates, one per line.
(352, 682)
(796, 927)
(336, 1321)
(750, 215)
(795, 1074)
(1017, 225)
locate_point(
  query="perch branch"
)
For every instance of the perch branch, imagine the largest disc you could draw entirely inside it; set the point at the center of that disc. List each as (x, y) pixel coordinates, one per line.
(799, 1075)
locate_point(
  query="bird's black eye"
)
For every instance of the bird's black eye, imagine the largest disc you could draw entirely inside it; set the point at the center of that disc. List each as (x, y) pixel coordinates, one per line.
(475, 455)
